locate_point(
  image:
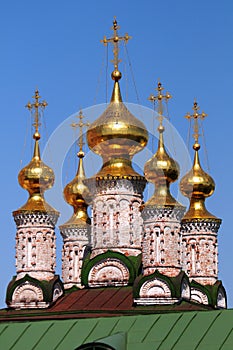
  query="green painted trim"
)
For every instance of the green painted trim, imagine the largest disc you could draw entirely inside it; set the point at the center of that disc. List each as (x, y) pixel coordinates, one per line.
(133, 263)
(174, 283)
(47, 287)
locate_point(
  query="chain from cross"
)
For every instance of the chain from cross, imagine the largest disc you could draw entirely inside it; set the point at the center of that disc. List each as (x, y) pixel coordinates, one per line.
(196, 116)
(35, 107)
(115, 39)
(80, 125)
(159, 98)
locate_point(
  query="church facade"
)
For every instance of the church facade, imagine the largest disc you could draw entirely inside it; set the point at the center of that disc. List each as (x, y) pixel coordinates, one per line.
(166, 254)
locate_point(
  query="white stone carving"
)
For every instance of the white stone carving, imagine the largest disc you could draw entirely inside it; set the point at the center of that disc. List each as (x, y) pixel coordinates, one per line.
(108, 272)
(155, 288)
(198, 296)
(185, 290)
(221, 299)
(27, 295)
(57, 291)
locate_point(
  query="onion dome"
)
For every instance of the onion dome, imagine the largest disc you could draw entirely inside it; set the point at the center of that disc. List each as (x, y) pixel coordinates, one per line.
(76, 192)
(197, 185)
(77, 195)
(117, 134)
(161, 169)
(36, 177)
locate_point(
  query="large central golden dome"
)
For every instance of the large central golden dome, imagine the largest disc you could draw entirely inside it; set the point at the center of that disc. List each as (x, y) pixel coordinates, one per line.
(117, 135)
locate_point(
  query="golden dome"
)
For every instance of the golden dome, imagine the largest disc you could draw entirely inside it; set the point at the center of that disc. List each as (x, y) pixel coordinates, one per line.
(117, 135)
(36, 178)
(161, 170)
(77, 195)
(197, 185)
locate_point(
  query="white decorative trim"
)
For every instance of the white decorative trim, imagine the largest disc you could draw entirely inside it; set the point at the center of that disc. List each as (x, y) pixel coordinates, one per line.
(185, 290)
(155, 301)
(57, 291)
(155, 288)
(161, 213)
(198, 296)
(221, 299)
(27, 294)
(108, 272)
(32, 305)
(35, 218)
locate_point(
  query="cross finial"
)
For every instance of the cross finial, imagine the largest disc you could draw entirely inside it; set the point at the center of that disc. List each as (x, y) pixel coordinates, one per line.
(159, 99)
(35, 108)
(115, 39)
(80, 125)
(196, 116)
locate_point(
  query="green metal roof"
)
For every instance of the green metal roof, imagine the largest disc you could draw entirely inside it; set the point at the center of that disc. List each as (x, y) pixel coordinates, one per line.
(200, 330)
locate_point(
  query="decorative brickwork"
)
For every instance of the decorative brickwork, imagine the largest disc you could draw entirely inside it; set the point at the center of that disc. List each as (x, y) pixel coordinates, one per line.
(35, 245)
(76, 243)
(35, 261)
(117, 222)
(200, 250)
(161, 245)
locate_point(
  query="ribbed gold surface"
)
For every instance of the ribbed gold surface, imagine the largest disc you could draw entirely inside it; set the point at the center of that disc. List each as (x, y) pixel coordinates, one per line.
(197, 185)
(117, 134)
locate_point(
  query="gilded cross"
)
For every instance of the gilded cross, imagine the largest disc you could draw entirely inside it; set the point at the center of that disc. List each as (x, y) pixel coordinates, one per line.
(159, 98)
(115, 40)
(80, 125)
(196, 116)
(35, 107)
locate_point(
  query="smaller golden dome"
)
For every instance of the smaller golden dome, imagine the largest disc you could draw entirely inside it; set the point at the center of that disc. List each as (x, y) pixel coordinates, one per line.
(197, 185)
(36, 178)
(161, 170)
(77, 195)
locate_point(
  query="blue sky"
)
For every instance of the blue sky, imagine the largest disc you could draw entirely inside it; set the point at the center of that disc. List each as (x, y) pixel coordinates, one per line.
(55, 46)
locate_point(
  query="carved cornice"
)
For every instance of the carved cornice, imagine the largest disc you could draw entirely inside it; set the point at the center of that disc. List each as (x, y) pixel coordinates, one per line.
(161, 213)
(200, 225)
(75, 233)
(135, 184)
(36, 218)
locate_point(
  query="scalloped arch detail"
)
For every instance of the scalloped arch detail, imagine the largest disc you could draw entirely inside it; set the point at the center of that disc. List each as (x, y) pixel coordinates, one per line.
(108, 272)
(27, 293)
(155, 288)
(198, 296)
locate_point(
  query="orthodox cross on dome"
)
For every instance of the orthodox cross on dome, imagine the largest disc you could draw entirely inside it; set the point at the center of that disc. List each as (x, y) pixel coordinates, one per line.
(115, 39)
(159, 99)
(80, 125)
(35, 108)
(195, 116)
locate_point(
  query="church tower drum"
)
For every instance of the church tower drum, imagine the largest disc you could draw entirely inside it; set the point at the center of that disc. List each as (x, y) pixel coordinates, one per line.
(76, 231)
(162, 213)
(199, 227)
(117, 188)
(35, 285)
